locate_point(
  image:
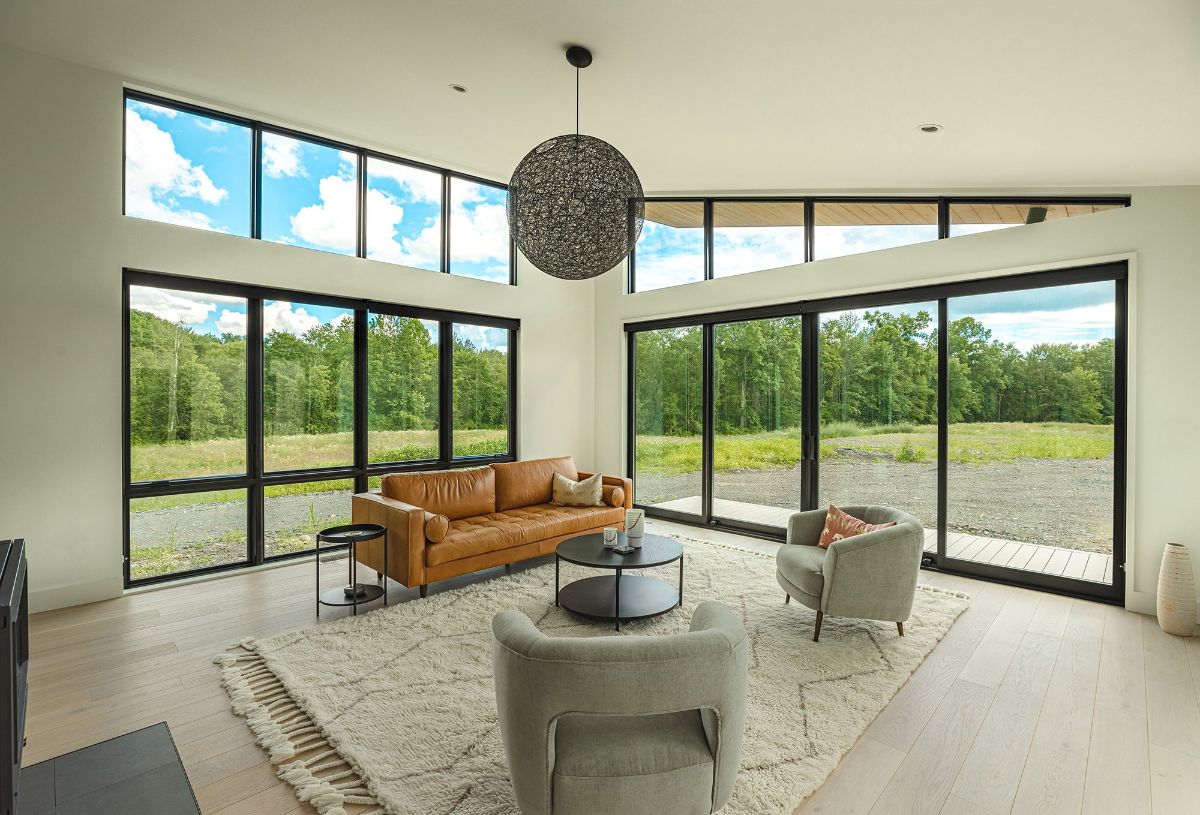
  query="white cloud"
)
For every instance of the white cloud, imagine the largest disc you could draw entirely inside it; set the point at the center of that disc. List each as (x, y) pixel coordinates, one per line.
(752, 248)
(333, 222)
(212, 125)
(153, 110)
(478, 233)
(1025, 329)
(283, 316)
(384, 214)
(839, 241)
(483, 337)
(420, 185)
(281, 156)
(156, 176)
(232, 322)
(172, 306)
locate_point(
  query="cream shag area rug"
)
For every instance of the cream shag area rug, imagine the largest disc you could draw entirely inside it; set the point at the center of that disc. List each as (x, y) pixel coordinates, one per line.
(394, 710)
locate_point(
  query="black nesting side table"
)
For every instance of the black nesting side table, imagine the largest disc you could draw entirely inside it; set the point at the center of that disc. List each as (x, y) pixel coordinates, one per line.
(354, 593)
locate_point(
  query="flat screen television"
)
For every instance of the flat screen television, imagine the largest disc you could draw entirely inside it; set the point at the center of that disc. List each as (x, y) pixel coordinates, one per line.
(14, 668)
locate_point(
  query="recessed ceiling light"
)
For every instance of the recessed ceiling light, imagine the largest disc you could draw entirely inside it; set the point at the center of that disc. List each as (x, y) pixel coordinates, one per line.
(454, 86)
(930, 128)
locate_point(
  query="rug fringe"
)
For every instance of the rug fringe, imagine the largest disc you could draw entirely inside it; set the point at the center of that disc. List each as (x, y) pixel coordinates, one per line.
(285, 731)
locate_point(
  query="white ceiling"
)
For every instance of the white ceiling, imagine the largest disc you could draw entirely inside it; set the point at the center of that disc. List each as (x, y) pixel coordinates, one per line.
(699, 94)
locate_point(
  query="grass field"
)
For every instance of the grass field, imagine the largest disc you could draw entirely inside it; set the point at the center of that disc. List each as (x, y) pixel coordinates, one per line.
(974, 443)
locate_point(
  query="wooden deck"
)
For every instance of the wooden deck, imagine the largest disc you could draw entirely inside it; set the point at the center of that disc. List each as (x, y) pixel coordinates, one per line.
(1029, 557)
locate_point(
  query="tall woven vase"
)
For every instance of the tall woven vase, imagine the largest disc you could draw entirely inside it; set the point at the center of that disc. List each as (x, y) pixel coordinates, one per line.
(1176, 591)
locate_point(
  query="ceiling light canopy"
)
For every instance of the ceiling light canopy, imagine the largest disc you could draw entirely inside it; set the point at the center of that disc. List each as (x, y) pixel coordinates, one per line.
(575, 204)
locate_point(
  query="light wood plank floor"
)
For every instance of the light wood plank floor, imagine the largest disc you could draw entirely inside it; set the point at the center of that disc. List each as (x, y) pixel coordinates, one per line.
(1031, 703)
(1033, 557)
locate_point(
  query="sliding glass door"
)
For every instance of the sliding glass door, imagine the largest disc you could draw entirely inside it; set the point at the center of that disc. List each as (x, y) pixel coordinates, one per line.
(879, 409)
(991, 410)
(1032, 420)
(757, 429)
(668, 419)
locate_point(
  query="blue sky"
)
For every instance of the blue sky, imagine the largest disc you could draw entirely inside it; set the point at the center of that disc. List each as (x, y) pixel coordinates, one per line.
(195, 171)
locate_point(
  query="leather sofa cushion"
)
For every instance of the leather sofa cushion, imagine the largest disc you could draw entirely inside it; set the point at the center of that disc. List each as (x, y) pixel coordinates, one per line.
(453, 493)
(526, 483)
(502, 530)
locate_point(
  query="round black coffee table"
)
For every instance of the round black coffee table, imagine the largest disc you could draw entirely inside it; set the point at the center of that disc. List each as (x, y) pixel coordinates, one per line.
(614, 597)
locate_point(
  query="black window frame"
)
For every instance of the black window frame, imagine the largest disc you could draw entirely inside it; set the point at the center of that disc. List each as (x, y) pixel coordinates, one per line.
(255, 479)
(942, 203)
(258, 127)
(810, 311)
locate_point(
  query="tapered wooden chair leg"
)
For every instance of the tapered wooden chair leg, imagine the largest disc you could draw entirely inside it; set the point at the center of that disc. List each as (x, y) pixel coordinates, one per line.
(787, 598)
(900, 628)
(817, 632)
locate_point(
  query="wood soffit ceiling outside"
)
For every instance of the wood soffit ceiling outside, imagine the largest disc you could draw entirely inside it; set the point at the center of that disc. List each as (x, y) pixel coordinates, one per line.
(683, 214)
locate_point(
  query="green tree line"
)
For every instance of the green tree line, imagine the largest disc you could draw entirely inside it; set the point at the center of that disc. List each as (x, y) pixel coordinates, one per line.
(876, 368)
(187, 386)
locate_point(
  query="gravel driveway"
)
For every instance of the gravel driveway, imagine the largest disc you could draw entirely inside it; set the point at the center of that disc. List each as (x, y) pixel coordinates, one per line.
(1056, 502)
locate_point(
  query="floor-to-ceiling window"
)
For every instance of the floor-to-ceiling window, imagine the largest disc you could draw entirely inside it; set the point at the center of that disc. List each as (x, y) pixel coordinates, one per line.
(757, 411)
(253, 414)
(668, 418)
(991, 410)
(1032, 416)
(879, 407)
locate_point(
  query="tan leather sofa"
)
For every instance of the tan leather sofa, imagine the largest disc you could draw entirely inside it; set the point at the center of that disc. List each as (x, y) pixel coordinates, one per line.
(450, 522)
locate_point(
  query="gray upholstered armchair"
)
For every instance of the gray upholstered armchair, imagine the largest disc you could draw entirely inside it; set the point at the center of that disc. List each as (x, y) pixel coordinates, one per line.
(872, 576)
(628, 725)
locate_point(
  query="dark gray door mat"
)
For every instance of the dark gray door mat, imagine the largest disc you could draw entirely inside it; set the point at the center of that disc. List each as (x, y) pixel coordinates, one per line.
(137, 772)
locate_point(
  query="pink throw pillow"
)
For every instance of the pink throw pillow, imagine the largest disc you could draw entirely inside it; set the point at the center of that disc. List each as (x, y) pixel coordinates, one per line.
(839, 526)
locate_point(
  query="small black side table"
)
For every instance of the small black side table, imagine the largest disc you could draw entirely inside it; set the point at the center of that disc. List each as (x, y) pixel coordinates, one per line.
(355, 592)
(617, 597)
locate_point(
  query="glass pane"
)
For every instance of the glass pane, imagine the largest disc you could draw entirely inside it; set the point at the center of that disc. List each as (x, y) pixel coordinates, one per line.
(480, 390)
(309, 194)
(404, 214)
(670, 250)
(968, 219)
(668, 377)
(308, 386)
(1031, 429)
(187, 384)
(179, 533)
(479, 243)
(402, 389)
(752, 235)
(295, 513)
(756, 415)
(186, 169)
(878, 394)
(847, 228)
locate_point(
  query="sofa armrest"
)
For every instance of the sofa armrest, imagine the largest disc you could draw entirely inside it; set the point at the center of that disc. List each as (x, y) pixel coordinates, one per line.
(405, 524)
(626, 484)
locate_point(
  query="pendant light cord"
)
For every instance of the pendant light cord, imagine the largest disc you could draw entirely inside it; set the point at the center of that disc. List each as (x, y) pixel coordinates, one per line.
(576, 102)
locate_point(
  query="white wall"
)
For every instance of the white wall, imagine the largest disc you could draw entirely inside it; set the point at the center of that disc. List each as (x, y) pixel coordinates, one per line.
(1159, 233)
(64, 243)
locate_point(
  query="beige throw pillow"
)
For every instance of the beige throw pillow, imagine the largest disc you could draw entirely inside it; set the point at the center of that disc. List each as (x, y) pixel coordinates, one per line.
(586, 493)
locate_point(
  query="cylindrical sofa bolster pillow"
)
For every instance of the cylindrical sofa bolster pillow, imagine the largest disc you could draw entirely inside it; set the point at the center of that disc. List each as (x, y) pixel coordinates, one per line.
(614, 496)
(436, 527)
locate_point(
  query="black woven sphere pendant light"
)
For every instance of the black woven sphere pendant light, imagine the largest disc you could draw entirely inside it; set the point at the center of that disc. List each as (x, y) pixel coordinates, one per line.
(575, 203)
